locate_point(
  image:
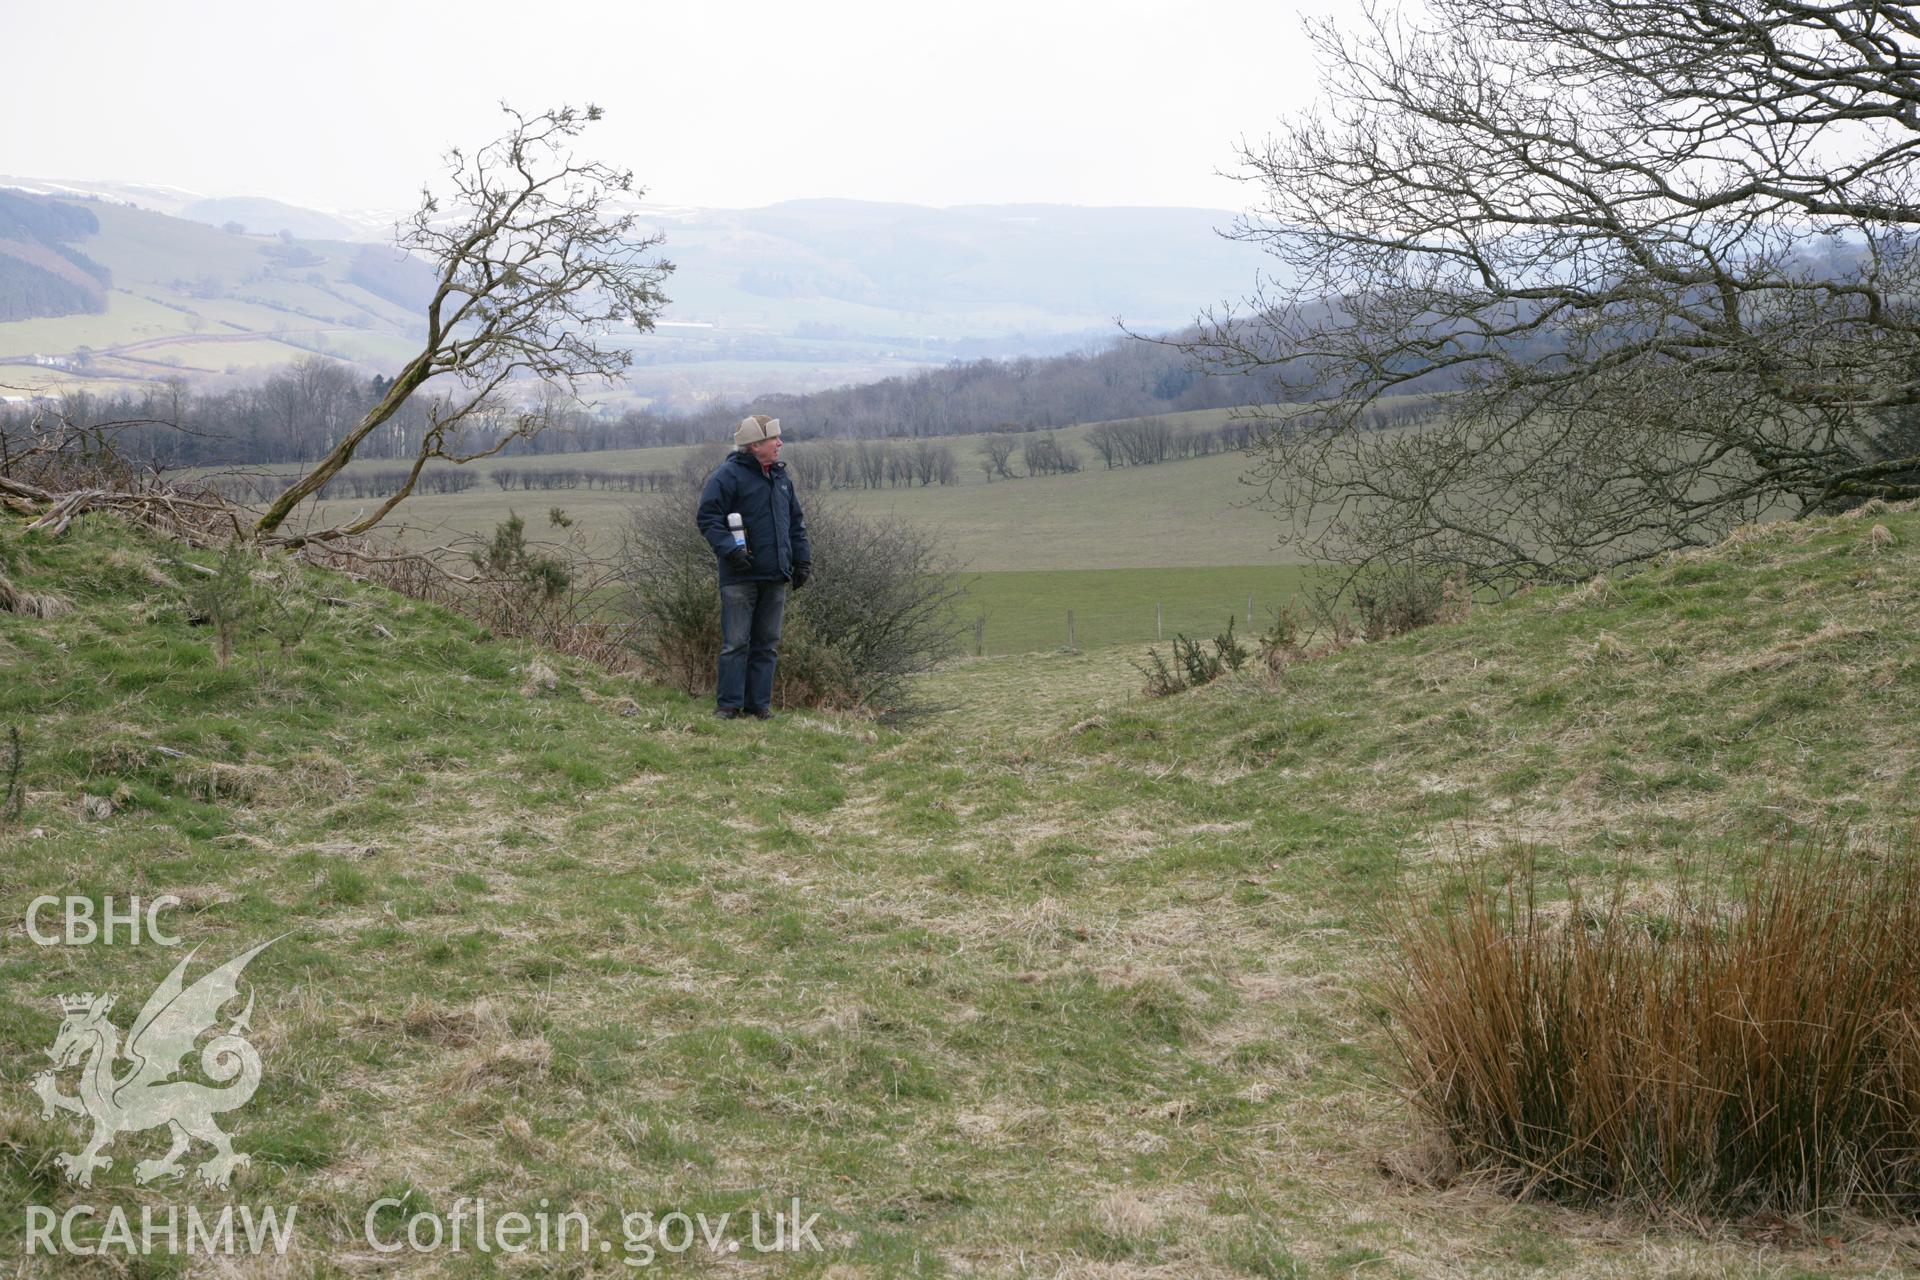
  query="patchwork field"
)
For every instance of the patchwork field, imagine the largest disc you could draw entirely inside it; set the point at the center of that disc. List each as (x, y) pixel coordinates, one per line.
(191, 298)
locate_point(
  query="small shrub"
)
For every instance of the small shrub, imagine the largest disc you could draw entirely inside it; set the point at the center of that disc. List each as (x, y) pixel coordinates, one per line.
(290, 610)
(508, 560)
(225, 598)
(1162, 680)
(1392, 602)
(550, 592)
(1720, 1056)
(1280, 645)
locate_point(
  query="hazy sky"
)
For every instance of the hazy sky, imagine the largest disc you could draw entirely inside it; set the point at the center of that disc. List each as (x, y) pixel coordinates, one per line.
(351, 104)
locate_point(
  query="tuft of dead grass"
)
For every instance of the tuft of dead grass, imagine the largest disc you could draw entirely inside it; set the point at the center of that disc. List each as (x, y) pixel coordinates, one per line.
(1725, 1056)
(31, 604)
(1596, 591)
(504, 1062)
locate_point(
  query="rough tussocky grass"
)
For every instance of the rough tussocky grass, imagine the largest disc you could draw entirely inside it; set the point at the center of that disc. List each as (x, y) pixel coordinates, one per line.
(1726, 1056)
(1088, 999)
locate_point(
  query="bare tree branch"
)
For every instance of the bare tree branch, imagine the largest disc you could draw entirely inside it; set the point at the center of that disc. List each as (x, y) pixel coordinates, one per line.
(1652, 264)
(539, 260)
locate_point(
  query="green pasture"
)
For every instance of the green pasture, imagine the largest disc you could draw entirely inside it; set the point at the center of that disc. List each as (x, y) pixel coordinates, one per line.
(1175, 514)
(1195, 511)
(126, 319)
(1027, 610)
(196, 355)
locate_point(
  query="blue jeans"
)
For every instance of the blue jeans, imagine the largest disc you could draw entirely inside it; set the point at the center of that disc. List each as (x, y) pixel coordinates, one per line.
(750, 617)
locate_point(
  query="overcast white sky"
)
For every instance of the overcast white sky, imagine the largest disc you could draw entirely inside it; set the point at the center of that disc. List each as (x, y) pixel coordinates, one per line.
(350, 104)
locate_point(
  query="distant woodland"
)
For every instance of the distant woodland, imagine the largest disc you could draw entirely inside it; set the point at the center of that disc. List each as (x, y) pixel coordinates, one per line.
(296, 412)
(41, 274)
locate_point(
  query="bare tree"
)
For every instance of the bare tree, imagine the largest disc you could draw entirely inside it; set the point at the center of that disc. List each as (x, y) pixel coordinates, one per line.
(538, 259)
(928, 462)
(1045, 456)
(995, 451)
(1655, 258)
(311, 398)
(1105, 441)
(873, 457)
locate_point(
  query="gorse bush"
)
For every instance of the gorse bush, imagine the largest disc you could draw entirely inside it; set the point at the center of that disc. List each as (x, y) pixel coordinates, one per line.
(1193, 664)
(1393, 600)
(1732, 1055)
(552, 591)
(879, 609)
(508, 558)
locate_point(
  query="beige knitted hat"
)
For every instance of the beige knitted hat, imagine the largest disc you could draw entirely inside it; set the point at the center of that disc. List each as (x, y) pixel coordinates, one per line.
(755, 429)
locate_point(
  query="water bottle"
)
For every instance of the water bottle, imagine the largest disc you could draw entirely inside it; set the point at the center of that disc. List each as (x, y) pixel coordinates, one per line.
(736, 529)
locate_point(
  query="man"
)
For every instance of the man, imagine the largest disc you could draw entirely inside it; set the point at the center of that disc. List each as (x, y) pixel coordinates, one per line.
(753, 484)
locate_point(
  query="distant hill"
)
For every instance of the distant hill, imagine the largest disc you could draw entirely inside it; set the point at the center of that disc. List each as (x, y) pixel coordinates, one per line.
(793, 297)
(166, 297)
(268, 217)
(845, 267)
(41, 273)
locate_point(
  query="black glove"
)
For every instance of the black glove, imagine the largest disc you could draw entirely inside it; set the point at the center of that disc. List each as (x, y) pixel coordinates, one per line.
(741, 562)
(801, 572)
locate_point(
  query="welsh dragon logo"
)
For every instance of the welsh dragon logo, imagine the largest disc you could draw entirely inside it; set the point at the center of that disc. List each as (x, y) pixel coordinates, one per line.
(145, 1096)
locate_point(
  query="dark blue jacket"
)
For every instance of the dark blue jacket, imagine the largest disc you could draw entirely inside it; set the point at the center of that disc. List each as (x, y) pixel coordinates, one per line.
(770, 510)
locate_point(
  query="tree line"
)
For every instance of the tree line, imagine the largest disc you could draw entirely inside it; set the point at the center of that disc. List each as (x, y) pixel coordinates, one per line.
(1128, 378)
(351, 484)
(509, 479)
(1146, 441)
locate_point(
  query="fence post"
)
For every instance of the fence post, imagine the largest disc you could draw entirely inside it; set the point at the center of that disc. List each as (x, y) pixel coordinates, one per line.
(1249, 610)
(1157, 635)
(1070, 644)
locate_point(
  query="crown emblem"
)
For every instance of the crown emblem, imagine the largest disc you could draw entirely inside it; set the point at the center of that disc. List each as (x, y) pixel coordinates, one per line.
(81, 1003)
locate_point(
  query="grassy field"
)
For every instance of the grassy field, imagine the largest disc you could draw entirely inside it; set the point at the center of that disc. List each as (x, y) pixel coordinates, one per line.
(1058, 982)
(27, 380)
(1176, 514)
(1110, 545)
(1027, 610)
(1030, 695)
(128, 318)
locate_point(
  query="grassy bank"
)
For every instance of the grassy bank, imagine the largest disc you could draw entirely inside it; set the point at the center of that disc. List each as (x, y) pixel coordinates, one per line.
(1058, 982)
